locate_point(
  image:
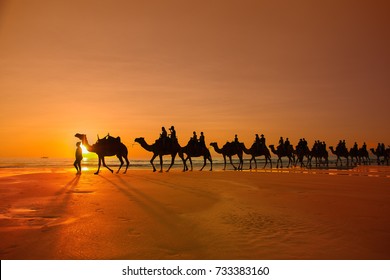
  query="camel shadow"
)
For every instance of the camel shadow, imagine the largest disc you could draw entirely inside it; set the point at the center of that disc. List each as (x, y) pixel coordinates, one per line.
(150, 206)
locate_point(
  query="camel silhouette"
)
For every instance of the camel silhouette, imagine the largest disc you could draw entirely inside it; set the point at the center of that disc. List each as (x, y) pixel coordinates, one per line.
(256, 151)
(283, 153)
(359, 156)
(197, 150)
(228, 150)
(363, 156)
(301, 153)
(318, 154)
(340, 153)
(159, 149)
(385, 154)
(106, 147)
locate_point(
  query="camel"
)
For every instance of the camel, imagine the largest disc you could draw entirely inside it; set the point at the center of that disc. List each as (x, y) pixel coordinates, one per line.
(319, 152)
(318, 155)
(171, 148)
(256, 151)
(280, 153)
(106, 147)
(385, 155)
(340, 153)
(363, 156)
(353, 153)
(228, 150)
(359, 155)
(196, 150)
(301, 153)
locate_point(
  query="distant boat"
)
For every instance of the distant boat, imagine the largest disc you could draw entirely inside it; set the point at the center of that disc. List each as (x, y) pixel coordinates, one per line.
(44, 157)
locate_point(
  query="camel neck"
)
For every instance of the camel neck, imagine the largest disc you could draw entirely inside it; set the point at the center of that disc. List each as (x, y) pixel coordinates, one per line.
(146, 146)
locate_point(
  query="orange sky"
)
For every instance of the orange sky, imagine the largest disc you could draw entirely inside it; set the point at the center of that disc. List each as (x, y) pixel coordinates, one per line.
(314, 69)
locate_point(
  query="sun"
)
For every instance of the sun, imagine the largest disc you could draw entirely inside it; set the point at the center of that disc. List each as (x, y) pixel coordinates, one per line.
(85, 151)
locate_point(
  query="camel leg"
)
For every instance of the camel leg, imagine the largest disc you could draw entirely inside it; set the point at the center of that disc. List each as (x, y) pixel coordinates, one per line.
(161, 163)
(211, 163)
(151, 161)
(250, 162)
(100, 162)
(230, 158)
(185, 167)
(127, 164)
(191, 163)
(224, 161)
(266, 162)
(277, 163)
(290, 162)
(172, 162)
(105, 165)
(121, 160)
(204, 163)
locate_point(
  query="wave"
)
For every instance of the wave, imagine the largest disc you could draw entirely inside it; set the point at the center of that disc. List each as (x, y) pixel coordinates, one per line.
(91, 163)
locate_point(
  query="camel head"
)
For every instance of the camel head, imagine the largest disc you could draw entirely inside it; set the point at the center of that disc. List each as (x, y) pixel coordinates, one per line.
(80, 136)
(272, 147)
(139, 139)
(83, 138)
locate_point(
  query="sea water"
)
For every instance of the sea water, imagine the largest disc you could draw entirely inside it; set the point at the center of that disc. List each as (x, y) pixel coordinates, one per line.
(91, 163)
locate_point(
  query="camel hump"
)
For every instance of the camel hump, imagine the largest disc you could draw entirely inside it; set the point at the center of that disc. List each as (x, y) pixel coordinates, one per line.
(109, 140)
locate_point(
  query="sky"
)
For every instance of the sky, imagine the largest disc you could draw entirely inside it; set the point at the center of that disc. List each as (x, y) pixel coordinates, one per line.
(313, 69)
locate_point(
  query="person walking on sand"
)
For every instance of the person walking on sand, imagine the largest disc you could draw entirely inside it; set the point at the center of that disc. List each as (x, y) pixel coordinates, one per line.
(79, 157)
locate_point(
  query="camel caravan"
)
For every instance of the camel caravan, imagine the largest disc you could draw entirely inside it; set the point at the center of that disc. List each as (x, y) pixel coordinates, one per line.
(302, 155)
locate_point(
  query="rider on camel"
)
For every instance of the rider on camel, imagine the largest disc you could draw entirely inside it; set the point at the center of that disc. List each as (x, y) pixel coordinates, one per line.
(281, 144)
(201, 140)
(173, 134)
(163, 136)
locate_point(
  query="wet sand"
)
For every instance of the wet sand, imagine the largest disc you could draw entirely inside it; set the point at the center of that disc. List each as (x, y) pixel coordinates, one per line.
(278, 214)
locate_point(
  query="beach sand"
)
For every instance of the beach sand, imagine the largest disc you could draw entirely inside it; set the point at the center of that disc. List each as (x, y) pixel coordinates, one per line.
(278, 214)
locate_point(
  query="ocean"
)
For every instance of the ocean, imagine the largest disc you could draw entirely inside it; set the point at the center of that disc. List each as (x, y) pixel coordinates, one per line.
(89, 163)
